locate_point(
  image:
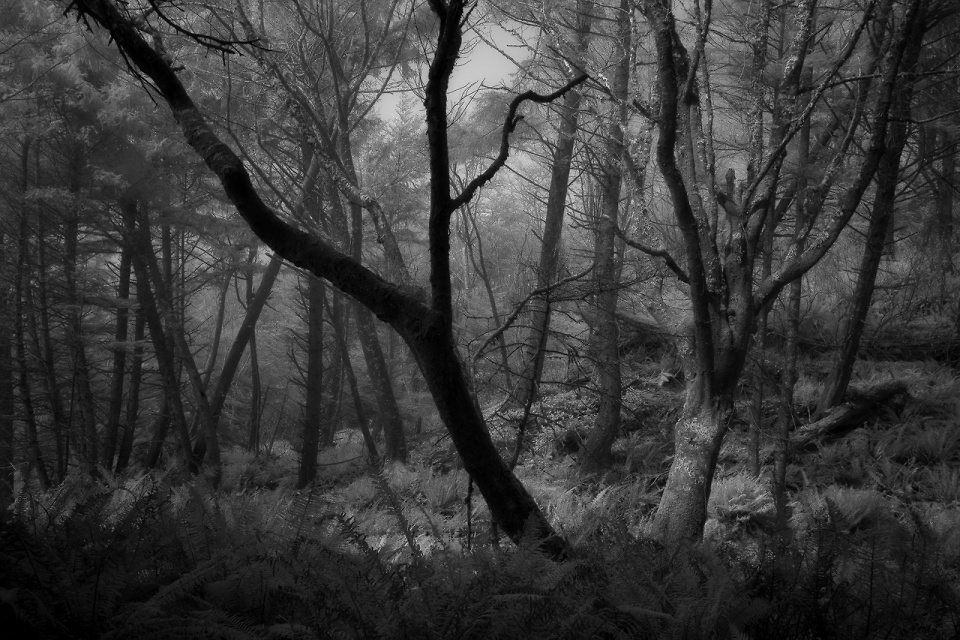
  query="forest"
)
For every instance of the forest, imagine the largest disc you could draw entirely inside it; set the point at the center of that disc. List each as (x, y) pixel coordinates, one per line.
(479, 319)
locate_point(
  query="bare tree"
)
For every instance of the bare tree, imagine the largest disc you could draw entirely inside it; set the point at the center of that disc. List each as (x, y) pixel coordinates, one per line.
(424, 321)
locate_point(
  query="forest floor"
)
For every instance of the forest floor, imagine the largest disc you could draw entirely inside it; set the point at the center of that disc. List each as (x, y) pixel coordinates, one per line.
(870, 547)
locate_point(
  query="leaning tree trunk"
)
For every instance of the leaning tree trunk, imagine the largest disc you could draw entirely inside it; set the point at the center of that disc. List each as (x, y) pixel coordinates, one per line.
(426, 326)
(881, 218)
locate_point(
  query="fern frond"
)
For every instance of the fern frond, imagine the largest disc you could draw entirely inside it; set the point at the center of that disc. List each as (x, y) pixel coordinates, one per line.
(396, 508)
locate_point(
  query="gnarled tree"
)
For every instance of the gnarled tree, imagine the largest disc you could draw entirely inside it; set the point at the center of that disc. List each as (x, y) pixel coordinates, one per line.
(424, 321)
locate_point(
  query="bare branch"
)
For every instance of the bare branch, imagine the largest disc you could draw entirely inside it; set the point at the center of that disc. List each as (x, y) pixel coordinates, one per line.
(510, 123)
(656, 253)
(519, 309)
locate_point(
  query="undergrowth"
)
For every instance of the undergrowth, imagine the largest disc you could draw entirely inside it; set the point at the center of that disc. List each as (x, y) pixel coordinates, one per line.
(871, 549)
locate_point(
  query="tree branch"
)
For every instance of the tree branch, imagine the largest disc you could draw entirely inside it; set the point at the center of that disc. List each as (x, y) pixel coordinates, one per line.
(520, 306)
(656, 253)
(296, 246)
(510, 123)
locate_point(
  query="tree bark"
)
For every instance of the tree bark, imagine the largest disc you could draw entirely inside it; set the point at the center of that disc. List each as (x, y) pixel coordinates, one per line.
(133, 394)
(394, 442)
(45, 346)
(480, 267)
(597, 448)
(368, 438)
(722, 294)
(426, 327)
(7, 404)
(89, 448)
(881, 218)
(253, 441)
(137, 232)
(947, 183)
(115, 408)
(548, 269)
(34, 452)
(313, 384)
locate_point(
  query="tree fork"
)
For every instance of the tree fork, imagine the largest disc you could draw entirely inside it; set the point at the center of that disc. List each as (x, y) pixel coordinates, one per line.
(427, 329)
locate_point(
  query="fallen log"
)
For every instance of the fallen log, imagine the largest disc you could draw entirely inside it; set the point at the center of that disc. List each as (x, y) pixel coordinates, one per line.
(861, 405)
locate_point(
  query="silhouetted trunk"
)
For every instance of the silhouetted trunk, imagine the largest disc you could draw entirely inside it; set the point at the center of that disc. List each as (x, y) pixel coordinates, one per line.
(137, 232)
(171, 309)
(877, 237)
(426, 326)
(548, 269)
(218, 328)
(34, 452)
(159, 428)
(133, 394)
(313, 384)
(7, 358)
(474, 249)
(368, 439)
(253, 440)
(6, 396)
(89, 448)
(232, 361)
(945, 187)
(115, 408)
(388, 413)
(45, 346)
(606, 337)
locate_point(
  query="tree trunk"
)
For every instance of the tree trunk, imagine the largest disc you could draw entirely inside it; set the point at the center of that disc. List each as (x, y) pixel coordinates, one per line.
(7, 458)
(480, 267)
(74, 329)
(597, 448)
(699, 434)
(218, 327)
(232, 361)
(948, 182)
(548, 268)
(34, 452)
(394, 442)
(850, 415)
(368, 438)
(159, 428)
(137, 231)
(881, 216)
(45, 346)
(253, 441)
(115, 408)
(133, 394)
(427, 327)
(313, 385)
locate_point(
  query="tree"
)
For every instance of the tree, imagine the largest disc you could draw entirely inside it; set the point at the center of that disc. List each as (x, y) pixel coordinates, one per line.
(425, 323)
(606, 343)
(721, 234)
(548, 267)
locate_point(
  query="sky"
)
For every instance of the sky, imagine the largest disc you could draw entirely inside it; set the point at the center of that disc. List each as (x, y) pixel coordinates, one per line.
(483, 64)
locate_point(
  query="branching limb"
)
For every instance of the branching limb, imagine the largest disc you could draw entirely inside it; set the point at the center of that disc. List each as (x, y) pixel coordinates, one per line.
(521, 305)
(298, 247)
(656, 253)
(510, 123)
